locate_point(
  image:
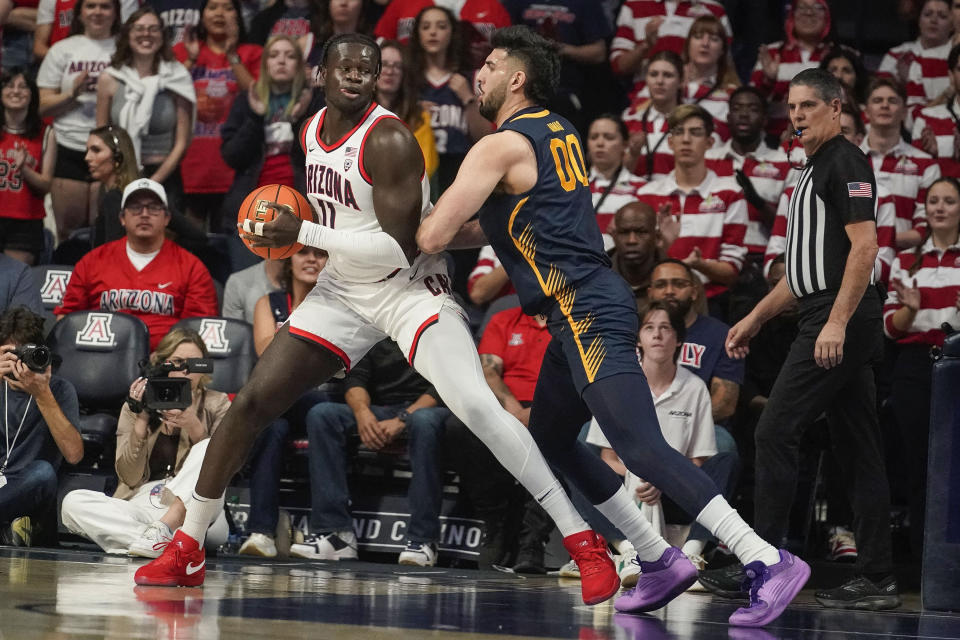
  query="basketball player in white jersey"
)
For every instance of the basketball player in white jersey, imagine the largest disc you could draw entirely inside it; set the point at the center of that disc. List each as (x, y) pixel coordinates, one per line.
(365, 178)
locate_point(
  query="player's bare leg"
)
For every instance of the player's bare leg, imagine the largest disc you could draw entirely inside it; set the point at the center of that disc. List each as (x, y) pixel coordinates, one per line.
(289, 367)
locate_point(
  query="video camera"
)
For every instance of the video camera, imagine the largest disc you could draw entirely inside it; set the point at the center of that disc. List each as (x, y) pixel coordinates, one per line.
(163, 392)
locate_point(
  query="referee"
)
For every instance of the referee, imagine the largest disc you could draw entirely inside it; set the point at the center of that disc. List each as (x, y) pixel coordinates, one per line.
(831, 248)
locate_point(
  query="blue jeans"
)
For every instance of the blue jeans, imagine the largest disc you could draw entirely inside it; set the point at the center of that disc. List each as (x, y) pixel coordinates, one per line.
(266, 464)
(30, 491)
(328, 426)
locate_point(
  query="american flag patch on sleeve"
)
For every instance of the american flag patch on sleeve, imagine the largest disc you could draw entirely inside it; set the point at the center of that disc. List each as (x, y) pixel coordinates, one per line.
(859, 190)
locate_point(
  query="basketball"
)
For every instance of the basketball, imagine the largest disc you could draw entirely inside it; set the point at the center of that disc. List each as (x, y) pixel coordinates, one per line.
(255, 209)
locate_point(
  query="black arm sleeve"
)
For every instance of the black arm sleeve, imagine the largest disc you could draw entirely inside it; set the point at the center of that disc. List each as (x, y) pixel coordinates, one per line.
(359, 375)
(242, 135)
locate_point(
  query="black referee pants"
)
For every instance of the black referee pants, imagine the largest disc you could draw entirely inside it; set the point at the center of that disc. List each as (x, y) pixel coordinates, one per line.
(847, 395)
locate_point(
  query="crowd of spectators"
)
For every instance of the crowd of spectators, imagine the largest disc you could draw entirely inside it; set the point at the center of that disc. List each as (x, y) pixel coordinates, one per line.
(130, 134)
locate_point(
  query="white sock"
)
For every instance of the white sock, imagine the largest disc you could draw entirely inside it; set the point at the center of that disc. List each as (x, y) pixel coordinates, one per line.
(201, 513)
(558, 506)
(723, 521)
(620, 510)
(693, 547)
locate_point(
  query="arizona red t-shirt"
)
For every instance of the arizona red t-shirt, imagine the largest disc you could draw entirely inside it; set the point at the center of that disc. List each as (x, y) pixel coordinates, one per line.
(174, 285)
(520, 342)
(203, 169)
(17, 199)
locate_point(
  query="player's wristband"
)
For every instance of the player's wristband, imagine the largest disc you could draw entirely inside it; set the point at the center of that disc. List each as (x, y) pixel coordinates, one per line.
(311, 234)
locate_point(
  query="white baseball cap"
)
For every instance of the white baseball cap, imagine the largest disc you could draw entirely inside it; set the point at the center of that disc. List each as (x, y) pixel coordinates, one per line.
(144, 184)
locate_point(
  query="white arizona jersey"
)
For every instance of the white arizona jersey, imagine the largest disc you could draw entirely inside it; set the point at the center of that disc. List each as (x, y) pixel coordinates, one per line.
(341, 192)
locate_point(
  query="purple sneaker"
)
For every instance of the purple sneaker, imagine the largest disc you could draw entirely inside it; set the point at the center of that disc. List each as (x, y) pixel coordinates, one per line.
(771, 589)
(659, 583)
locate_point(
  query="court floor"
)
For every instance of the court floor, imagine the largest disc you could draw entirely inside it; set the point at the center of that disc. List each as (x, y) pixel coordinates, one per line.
(57, 594)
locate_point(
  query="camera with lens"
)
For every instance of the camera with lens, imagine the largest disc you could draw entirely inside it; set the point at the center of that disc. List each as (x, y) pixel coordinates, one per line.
(163, 392)
(36, 357)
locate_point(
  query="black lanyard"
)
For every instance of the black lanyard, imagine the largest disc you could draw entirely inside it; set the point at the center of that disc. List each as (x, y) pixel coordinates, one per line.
(608, 189)
(643, 122)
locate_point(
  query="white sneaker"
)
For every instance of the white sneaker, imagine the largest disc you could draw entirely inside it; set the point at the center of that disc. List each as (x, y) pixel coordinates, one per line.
(628, 568)
(419, 554)
(700, 563)
(569, 570)
(339, 545)
(152, 541)
(259, 544)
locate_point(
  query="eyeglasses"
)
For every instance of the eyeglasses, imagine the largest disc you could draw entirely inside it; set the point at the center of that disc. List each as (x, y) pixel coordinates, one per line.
(810, 8)
(676, 283)
(151, 208)
(153, 30)
(395, 66)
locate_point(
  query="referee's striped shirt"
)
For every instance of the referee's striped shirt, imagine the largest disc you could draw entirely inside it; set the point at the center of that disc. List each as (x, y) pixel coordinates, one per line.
(836, 188)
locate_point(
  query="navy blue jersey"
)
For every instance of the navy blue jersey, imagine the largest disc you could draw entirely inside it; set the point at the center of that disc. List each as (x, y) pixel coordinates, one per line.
(447, 118)
(547, 238)
(177, 16)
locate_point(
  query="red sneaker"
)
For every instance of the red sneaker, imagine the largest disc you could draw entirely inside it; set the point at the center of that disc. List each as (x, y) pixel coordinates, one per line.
(182, 564)
(598, 576)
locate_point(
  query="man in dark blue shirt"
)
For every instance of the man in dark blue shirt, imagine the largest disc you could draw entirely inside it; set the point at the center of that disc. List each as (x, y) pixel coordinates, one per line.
(384, 398)
(40, 412)
(703, 351)
(17, 286)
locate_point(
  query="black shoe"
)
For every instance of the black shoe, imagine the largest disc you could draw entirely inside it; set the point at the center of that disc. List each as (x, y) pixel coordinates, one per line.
(492, 546)
(861, 593)
(530, 559)
(19, 533)
(726, 582)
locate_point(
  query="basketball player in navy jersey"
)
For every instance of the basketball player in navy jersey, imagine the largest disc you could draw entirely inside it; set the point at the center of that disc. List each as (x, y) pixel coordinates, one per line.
(529, 183)
(365, 175)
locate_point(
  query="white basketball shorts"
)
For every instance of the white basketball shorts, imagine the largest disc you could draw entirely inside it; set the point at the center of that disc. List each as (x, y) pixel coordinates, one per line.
(348, 318)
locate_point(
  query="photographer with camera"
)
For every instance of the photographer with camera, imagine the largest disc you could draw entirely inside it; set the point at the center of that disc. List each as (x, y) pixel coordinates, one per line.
(40, 412)
(163, 433)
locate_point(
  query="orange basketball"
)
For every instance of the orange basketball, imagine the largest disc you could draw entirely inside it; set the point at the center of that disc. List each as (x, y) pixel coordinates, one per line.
(255, 209)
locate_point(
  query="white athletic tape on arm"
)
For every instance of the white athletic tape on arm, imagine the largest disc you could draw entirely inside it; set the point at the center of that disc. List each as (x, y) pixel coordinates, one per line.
(378, 248)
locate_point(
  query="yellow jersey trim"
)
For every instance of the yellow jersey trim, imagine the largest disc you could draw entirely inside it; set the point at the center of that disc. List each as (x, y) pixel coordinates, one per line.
(557, 287)
(536, 114)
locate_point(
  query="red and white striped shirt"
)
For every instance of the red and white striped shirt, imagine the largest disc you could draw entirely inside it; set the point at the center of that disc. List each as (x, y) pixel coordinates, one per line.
(672, 33)
(713, 218)
(624, 191)
(767, 169)
(946, 128)
(938, 279)
(793, 59)
(487, 261)
(929, 76)
(716, 100)
(906, 172)
(644, 117)
(886, 232)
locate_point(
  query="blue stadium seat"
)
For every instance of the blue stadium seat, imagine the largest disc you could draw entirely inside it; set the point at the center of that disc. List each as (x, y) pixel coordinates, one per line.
(500, 304)
(230, 344)
(52, 280)
(101, 353)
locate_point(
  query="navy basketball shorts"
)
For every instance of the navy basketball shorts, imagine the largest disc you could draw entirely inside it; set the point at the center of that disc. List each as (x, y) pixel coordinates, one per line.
(597, 327)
